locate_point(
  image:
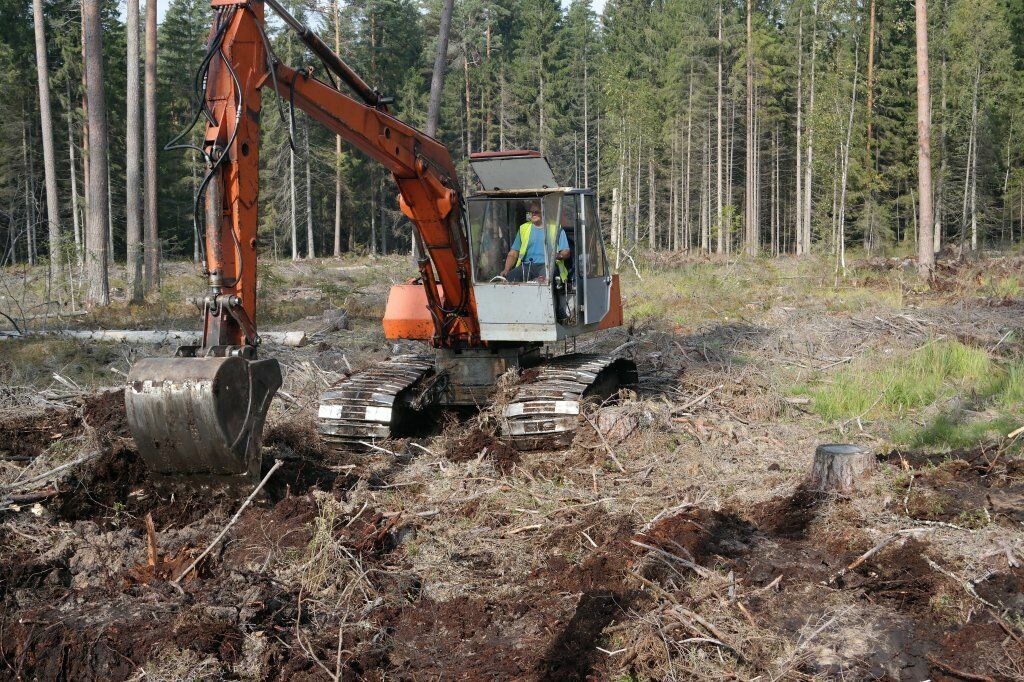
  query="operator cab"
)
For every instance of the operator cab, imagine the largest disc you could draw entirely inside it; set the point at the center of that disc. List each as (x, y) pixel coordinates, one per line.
(549, 306)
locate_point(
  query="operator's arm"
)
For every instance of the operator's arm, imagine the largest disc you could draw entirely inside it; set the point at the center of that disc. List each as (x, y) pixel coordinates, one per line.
(512, 257)
(563, 246)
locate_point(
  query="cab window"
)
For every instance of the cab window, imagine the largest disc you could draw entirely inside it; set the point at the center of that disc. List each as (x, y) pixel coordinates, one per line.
(596, 266)
(493, 226)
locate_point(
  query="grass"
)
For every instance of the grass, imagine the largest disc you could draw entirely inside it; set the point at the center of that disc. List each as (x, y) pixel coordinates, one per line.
(689, 292)
(890, 386)
(900, 387)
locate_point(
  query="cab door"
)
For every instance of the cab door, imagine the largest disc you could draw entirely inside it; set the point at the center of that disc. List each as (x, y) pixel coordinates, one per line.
(593, 278)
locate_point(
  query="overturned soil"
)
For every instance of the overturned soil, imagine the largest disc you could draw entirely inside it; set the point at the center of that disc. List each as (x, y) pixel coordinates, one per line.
(697, 555)
(479, 443)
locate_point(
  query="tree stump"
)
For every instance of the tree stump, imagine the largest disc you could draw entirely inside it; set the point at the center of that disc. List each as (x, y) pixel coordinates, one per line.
(839, 467)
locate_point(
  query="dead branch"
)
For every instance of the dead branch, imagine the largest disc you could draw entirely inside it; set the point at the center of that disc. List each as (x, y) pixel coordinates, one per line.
(958, 673)
(604, 442)
(223, 532)
(43, 476)
(152, 556)
(959, 581)
(888, 540)
(685, 613)
(699, 398)
(699, 570)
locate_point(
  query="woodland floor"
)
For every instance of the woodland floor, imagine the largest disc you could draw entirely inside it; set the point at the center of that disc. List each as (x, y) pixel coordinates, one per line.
(680, 543)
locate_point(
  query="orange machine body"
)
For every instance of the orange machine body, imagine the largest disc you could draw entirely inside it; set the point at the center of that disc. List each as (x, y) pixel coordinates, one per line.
(407, 315)
(441, 308)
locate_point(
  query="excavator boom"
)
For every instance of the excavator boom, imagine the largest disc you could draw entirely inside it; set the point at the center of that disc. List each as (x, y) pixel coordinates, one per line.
(201, 413)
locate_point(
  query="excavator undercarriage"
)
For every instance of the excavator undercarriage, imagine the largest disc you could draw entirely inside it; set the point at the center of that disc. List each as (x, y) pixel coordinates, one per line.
(400, 397)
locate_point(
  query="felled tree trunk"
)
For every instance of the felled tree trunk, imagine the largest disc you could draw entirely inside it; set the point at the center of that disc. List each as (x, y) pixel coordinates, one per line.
(839, 467)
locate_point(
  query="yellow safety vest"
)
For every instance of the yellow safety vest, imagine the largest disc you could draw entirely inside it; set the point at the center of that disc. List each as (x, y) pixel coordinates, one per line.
(525, 230)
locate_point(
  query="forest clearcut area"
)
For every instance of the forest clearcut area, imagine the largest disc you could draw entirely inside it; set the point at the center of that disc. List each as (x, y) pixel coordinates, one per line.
(677, 537)
(588, 340)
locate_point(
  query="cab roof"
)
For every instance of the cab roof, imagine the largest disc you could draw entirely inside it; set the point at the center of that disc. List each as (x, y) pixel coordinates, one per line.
(521, 169)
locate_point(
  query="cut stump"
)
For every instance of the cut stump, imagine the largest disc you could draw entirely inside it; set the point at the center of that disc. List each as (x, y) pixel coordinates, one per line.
(840, 467)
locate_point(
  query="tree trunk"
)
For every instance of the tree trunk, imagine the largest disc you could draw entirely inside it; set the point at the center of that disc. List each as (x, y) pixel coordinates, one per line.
(730, 172)
(310, 251)
(719, 213)
(373, 212)
(49, 160)
(440, 58)
(76, 227)
(799, 245)
(841, 244)
(133, 152)
(30, 228)
(840, 468)
(96, 244)
(705, 192)
(85, 148)
(152, 239)
(586, 122)
(291, 197)
(652, 233)
(337, 143)
(973, 161)
(940, 194)
(469, 111)
(751, 171)
(686, 172)
(925, 254)
(871, 82)
(809, 168)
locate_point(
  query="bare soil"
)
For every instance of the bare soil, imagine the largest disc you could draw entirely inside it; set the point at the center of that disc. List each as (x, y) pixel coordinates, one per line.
(696, 552)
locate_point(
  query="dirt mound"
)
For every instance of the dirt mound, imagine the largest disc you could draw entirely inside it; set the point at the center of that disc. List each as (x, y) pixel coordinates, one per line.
(788, 517)
(898, 576)
(27, 434)
(473, 443)
(43, 645)
(967, 487)
(284, 528)
(104, 412)
(103, 485)
(539, 637)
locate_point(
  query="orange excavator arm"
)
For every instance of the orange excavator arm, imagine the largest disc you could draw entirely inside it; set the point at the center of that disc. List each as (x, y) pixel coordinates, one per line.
(421, 166)
(200, 415)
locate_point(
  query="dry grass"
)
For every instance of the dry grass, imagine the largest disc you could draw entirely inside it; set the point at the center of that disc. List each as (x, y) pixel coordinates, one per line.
(720, 433)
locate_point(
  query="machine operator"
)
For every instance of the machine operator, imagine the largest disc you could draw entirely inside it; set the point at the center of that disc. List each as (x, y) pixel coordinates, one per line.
(526, 263)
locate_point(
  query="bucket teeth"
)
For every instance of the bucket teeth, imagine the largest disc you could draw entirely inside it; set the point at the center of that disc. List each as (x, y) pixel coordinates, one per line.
(544, 413)
(369, 405)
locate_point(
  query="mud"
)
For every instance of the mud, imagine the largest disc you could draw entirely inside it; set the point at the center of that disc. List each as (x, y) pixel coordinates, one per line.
(968, 488)
(469, 447)
(104, 413)
(25, 436)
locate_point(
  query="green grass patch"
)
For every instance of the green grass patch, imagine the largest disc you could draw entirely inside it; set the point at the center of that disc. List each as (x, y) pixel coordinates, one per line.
(884, 387)
(898, 387)
(948, 432)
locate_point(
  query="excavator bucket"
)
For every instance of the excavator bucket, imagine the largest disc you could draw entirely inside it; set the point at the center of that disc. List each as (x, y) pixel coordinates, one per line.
(201, 418)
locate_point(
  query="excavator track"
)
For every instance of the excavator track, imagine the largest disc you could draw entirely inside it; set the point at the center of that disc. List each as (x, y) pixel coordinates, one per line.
(371, 405)
(545, 411)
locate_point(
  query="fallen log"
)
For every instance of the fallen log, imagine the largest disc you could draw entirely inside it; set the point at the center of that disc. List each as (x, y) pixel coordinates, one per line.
(293, 339)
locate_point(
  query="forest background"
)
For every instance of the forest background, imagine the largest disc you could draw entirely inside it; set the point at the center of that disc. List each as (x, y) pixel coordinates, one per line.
(767, 127)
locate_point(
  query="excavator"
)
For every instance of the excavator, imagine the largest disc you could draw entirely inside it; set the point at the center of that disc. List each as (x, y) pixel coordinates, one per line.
(200, 415)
